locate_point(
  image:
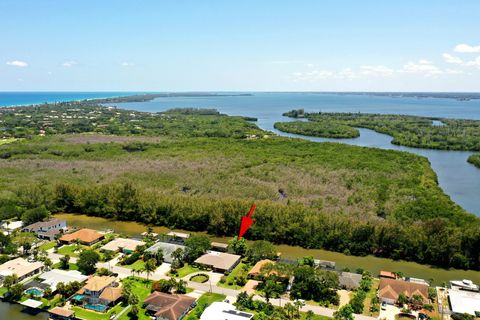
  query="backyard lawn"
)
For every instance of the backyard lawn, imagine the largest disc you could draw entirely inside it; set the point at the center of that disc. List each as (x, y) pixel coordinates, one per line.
(142, 289)
(71, 250)
(71, 266)
(91, 315)
(200, 278)
(204, 301)
(368, 300)
(240, 270)
(48, 245)
(186, 270)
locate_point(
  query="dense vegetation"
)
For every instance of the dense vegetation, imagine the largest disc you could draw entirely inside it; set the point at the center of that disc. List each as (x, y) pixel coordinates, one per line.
(475, 160)
(326, 129)
(338, 197)
(411, 131)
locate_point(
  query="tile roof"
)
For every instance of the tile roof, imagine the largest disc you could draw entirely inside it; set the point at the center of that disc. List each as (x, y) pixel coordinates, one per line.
(168, 306)
(61, 312)
(392, 288)
(124, 243)
(84, 235)
(98, 283)
(111, 294)
(218, 260)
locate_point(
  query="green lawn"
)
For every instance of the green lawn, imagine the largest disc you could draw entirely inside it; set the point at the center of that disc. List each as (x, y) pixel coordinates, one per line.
(138, 265)
(91, 315)
(368, 300)
(186, 270)
(239, 270)
(3, 290)
(142, 288)
(9, 140)
(48, 245)
(204, 301)
(71, 250)
(71, 266)
(200, 278)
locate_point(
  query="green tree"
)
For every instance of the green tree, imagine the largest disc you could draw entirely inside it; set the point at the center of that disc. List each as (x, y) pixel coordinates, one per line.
(402, 299)
(238, 246)
(260, 250)
(64, 262)
(150, 266)
(87, 261)
(344, 313)
(10, 280)
(195, 246)
(15, 292)
(307, 261)
(47, 263)
(178, 256)
(34, 215)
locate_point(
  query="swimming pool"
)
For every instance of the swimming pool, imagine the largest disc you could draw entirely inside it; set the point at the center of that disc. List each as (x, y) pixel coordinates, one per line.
(96, 307)
(36, 292)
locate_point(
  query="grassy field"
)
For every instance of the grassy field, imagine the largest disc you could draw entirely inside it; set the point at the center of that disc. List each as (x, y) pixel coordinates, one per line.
(138, 265)
(200, 278)
(48, 245)
(368, 300)
(72, 250)
(186, 270)
(9, 140)
(142, 289)
(71, 266)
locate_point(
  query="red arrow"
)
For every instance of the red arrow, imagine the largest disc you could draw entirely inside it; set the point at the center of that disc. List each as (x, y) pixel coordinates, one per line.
(246, 222)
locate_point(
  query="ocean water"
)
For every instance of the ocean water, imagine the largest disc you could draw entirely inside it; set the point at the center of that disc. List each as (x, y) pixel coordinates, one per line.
(27, 98)
(459, 179)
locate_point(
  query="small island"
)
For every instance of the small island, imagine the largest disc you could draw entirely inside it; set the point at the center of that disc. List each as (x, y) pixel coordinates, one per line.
(324, 129)
(475, 160)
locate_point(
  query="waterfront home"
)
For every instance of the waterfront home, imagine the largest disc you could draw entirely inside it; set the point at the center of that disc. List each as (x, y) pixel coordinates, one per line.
(219, 261)
(21, 267)
(390, 289)
(122, 245)
(256, 271)
(53, 277)
(224, 311)
(324, 264)
(349, 280)
(464, 285)
(164, 306)
(9, 226)
(218, 246)
(464, 301)
(388, 275)
(167, 250)
(47, 229)
(99, 293)
(177, 237)
(85, 236)
(59, 313)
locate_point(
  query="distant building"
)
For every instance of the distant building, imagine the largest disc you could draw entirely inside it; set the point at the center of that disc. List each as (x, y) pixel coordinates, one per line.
(219, 261)
(417, 280)
(390, 289)
(224, 311)
(10, 226)
(123, 244)
(21, 267)
(59, 313)
(167, 250)
(349, 280)
(388, 275)
(99, 293)
(462, 301)
(164, 306)
(464, 285)
(178, 237)
(218, 246)
(325, 264)
(47, 229)
(85, 236)
(53, 277)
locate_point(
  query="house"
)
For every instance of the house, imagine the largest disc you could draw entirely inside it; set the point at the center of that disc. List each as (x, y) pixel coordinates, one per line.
(96, 294)
(85, 236)
(349, 280)
(224, 311)
(388, 275)
(53, 277)
(218, 246)
(123, 244)
(255, 272)
(219, 261)
(464, 285)
(47, 229)
(167, 250)
(463, 301)
(59, 313)
(390, 289)
(417, 280)
(324, 264)
(21, 267)
(175, 237)
(164, 306)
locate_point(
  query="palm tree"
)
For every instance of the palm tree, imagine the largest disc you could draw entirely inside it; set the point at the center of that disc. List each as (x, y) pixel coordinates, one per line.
(47, 263)
(289, 310)
(9, 281)
(298, 304)
(150, 266)
(309, 315)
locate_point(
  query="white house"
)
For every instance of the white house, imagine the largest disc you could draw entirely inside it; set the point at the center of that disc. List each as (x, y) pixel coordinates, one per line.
(224, 311)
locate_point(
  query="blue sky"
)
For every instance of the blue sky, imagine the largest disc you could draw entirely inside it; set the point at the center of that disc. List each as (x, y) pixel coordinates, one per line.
(242, 45)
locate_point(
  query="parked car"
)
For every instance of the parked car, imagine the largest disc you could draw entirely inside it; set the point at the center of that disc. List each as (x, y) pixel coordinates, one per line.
(384, 306)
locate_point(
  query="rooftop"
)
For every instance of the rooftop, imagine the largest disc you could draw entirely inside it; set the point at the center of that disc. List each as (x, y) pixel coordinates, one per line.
(462, 301)
(391, 289)
(218, 260)
(167, 249)
(31, 303)
(19, 266)
(55, 276)
(123, 243)
(84, 235)
(61, 312)
(44, 224)
(224, 311)
(111, 294)
(168, 306)
(98, 283)
(178, 234)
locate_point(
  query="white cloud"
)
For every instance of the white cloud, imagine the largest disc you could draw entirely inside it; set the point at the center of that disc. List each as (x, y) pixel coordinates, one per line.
(379, 70)
(285, 62)
(474, 63)
(424, 67)
(452, 59)
(313, 75)
(17, 63)
(127, 64)
(465, 48)
(70, 63)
